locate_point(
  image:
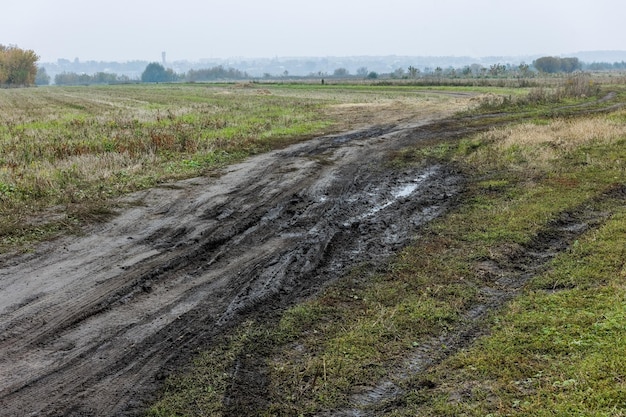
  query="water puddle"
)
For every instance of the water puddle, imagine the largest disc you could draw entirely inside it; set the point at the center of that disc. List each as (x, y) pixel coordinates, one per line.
(404, 190)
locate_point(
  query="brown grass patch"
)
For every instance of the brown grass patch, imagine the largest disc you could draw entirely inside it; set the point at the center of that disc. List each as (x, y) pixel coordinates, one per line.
(388, 111)
(543, 144)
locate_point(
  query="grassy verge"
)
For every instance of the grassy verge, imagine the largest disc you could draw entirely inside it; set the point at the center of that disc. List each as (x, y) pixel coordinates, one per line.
(558, 348)
(548, 352)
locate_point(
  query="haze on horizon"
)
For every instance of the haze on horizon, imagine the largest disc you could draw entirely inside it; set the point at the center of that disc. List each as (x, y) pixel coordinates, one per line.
(191, 30)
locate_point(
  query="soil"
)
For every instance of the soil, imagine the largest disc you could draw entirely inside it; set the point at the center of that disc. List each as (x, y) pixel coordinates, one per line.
(91, 325)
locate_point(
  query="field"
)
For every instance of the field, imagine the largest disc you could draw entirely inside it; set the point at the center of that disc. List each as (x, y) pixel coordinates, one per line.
(67, 151)
(314, 250)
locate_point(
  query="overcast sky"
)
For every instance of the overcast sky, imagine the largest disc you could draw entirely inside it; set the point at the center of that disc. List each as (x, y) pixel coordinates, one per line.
(122, 30)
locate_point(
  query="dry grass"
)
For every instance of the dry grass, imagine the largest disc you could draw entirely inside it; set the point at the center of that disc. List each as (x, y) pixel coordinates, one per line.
(393, 110)
(541, 144)
(564, 134)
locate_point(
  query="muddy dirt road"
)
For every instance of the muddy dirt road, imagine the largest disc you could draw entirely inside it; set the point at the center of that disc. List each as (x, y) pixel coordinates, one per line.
(88, 324)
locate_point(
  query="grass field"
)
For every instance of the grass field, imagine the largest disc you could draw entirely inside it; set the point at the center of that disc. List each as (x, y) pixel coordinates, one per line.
(555, 347)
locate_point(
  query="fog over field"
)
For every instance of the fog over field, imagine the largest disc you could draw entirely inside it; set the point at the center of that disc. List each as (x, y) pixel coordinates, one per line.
(190, 30)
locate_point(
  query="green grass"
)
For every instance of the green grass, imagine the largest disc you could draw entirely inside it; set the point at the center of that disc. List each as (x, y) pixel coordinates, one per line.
(550, 353)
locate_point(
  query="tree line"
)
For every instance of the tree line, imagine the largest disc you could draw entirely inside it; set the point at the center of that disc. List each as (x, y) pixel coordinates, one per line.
(545, 65)
(72, 78)
(17, 66)
(606, 66)
(154, 73)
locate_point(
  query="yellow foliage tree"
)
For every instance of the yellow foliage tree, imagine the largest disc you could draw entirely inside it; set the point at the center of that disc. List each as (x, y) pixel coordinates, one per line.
(17, 66)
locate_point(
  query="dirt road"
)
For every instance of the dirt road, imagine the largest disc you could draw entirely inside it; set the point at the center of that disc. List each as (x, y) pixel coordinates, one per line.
(88, 324)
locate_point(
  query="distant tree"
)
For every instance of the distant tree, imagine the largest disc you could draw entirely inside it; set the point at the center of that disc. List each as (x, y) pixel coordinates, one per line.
(216, 73)
(477, 69)
(497, 69)
(156, 73)
(524, 70)
(372, 75)
(570, 64)
(413, 72)
(72, 78)
(42, 77)
(548, 64)
(341, 72)
(17, 66)
(398, 73)
(552, 64)
(104, 78)
(362, 72)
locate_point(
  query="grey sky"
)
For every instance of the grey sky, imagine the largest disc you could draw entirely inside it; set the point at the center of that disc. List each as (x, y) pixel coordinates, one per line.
(121, 30)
